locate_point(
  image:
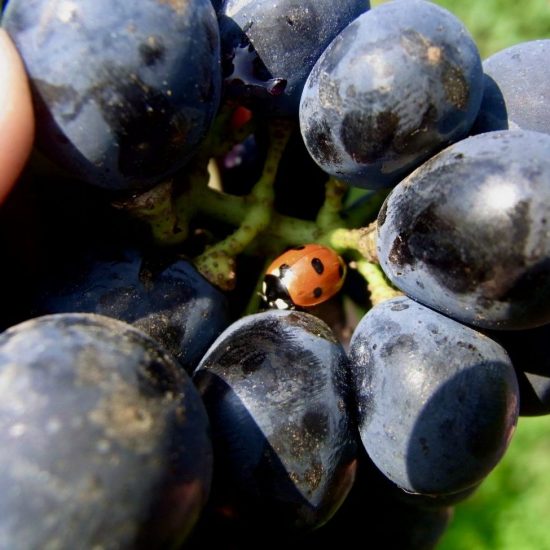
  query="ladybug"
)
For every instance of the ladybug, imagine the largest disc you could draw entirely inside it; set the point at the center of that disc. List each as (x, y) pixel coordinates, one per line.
(303, 277)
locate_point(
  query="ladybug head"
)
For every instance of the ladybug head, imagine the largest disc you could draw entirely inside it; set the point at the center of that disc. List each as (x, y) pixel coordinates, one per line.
(275, 294)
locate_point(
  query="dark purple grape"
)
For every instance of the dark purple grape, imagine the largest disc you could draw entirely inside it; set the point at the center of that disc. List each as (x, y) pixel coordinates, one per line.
(517, 89)
(437, 401)
(242, 166)
(297, 170)
(275, 388)
(165, 297)
(528, 350)
(124, 92)
(394, 87)
(105, 439)
(467, 233)
(217, 4)
(270, 47)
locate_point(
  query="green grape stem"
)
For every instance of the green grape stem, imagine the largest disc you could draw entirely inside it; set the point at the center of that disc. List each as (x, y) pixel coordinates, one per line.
(256, 219)
(361, 240)
(330, 213)
(156, 208)
(170, 207)
(378, 286)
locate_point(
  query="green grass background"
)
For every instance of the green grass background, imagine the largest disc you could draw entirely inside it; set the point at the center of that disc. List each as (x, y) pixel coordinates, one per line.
(511, 509)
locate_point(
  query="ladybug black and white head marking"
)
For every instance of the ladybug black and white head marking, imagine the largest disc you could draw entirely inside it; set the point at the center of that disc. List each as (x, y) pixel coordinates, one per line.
(275, 293)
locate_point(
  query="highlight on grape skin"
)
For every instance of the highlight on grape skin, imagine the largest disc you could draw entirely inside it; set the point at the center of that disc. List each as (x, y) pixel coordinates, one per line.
(466, 232)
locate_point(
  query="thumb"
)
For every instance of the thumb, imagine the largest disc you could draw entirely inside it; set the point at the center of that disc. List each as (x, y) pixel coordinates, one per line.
(16, 115)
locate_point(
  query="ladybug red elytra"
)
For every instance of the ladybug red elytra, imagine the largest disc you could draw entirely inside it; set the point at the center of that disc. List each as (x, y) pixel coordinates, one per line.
(303, 277)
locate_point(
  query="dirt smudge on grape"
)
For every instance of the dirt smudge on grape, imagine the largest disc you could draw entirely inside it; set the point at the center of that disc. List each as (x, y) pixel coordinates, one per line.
(152, 51)
(253, 361)
(400, 254)
(402, 344)
(382, 214)
(456, 87)
(329, 93)
(151, 133)
(439, 57)
(433, 239)
(367, 137)
(424, 136)
(155, 380)
(320, 142)
(52, 94)
(312, 325)
(311, 478)
(179, 6)
(159, 326)
(424, 445)
(316, 424)
(126, 419)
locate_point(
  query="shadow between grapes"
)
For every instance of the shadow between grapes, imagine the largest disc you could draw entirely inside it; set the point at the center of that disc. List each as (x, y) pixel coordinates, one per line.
(493, 114)
(462, 432)
(254, 492)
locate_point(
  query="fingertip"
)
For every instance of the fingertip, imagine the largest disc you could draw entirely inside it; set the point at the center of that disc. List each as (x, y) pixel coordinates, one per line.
(16, 115)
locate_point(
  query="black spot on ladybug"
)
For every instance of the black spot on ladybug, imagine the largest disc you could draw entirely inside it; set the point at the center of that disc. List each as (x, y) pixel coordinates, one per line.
(317, 292)
(317, 265)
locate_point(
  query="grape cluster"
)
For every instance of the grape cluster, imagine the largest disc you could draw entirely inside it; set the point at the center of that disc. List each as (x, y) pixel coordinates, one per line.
(149, 397)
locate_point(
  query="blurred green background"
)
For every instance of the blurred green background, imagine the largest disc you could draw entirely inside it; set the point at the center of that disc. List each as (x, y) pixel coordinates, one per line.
(511, 509)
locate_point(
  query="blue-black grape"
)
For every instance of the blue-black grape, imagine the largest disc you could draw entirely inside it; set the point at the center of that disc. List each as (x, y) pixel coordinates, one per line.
(217, 4)
(275, 388)
(437, 401)
(167, 298)
(394, 87)
(124, 92)
(467, 232)
(517, 89)
(270, 47)
(242, 166)
(105, 440)
(297, 170)
(528, 350)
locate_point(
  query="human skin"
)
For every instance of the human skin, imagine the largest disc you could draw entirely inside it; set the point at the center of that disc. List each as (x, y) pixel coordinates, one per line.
(16, 116)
